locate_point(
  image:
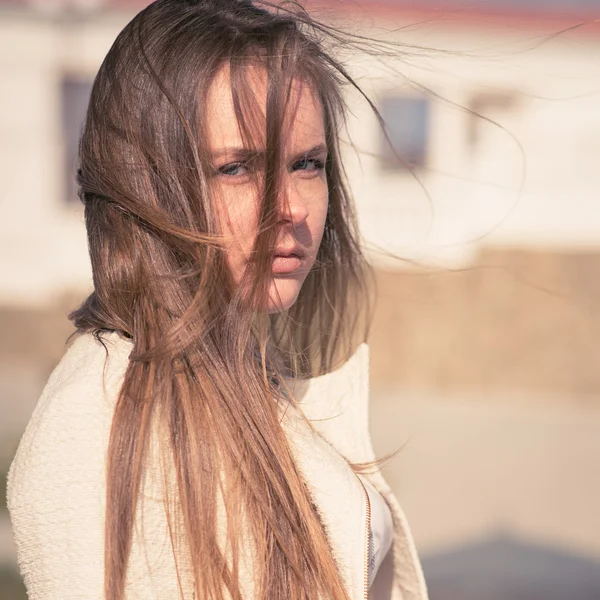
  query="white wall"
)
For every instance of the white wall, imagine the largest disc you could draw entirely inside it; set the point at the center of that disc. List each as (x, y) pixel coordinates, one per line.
(43, 249)
(535, 182)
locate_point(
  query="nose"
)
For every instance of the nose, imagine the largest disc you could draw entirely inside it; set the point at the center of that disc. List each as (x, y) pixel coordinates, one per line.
(293, 206)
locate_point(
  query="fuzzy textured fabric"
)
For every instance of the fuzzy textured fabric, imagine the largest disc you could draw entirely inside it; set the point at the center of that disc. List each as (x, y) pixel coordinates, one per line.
(57, 485)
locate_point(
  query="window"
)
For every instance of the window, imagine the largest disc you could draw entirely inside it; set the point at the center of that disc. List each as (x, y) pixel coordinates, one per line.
(483, 106)
(75, 95)
(407, 127)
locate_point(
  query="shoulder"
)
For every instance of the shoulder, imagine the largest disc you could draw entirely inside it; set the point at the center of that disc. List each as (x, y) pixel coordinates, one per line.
(77, 400)
(57, 478)
(73, 415)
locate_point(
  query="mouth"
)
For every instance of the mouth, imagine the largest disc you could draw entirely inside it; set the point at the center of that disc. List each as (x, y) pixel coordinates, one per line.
(287, 260)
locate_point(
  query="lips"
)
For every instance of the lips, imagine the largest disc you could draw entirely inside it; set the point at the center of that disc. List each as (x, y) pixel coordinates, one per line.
(287, 251)
(286, 260)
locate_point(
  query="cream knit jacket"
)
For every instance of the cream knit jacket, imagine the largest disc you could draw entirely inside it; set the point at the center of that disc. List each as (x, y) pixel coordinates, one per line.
(57, 485)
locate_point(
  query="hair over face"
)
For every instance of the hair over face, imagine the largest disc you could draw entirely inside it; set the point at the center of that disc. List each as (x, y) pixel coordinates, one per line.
(205, 362)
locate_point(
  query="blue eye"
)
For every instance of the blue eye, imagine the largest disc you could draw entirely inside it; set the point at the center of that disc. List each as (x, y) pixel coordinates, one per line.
(308, 164)
(233, 169)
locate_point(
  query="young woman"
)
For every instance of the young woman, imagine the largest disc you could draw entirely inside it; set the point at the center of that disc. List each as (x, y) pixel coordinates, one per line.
(199, 439)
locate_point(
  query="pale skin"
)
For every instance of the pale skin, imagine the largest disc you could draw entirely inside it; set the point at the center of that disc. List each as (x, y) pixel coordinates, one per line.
(302, 209)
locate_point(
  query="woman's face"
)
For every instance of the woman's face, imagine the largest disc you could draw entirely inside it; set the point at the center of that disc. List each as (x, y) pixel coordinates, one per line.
(302, 207)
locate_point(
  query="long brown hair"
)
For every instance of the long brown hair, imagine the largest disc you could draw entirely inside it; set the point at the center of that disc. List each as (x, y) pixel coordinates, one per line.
(205, 365)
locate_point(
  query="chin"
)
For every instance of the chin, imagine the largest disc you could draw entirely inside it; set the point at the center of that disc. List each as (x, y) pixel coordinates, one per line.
(283, 293)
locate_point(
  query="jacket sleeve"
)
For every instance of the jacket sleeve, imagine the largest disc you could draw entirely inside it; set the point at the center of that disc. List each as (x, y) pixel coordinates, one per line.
(57, 493)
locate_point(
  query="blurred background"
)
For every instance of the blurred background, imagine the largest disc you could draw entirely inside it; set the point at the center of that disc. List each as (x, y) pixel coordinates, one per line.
(486, 340)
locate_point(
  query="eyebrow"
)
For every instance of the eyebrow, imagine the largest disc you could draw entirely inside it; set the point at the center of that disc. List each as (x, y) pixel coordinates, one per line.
(241, 153)
(318, 149)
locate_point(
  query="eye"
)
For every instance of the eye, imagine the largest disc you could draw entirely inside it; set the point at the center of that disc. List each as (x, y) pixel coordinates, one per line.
(309, 165)
(234, 169)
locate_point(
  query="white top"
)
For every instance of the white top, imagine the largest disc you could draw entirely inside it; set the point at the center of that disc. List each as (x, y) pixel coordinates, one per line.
(382, 529)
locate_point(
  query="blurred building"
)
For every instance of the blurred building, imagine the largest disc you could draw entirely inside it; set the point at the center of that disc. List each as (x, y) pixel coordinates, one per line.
(479, 208)
(494, 122)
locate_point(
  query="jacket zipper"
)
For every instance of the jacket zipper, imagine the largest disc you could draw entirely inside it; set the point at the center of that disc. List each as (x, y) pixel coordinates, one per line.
(367, 540)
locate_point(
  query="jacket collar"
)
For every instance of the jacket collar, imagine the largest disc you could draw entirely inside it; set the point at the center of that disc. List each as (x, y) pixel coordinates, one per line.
(337, 405)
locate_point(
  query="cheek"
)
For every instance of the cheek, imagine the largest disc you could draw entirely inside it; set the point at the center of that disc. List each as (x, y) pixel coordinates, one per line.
(238, 215)
(319, 218)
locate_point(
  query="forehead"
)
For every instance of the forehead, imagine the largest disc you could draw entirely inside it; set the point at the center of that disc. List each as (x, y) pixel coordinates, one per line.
(303, 126)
